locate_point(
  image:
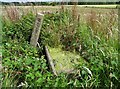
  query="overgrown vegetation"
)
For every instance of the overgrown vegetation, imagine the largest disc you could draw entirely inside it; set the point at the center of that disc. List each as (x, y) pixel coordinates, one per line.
(94, 36)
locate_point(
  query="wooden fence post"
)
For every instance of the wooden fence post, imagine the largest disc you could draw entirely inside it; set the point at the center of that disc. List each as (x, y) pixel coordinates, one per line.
(36, 30)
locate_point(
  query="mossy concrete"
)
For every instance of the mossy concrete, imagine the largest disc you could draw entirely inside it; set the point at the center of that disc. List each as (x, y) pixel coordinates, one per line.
(64, 60)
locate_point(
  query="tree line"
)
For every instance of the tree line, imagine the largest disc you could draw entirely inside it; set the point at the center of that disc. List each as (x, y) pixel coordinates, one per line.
(58, 3)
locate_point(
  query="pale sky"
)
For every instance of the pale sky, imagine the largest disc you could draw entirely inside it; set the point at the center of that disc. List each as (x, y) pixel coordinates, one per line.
(27, 0)
(59, 0)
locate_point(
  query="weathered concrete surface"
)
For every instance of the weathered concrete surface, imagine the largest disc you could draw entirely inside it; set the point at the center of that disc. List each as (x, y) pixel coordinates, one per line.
(50, 61)
(36, 30)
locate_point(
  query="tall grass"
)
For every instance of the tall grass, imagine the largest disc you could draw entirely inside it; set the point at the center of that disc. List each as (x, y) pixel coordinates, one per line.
(102, 23)
(12, 13)
(95, 39)
(93, 35)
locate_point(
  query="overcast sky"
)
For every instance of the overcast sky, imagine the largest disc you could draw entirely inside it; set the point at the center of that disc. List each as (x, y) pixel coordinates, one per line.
(24, 0)
(59, 0)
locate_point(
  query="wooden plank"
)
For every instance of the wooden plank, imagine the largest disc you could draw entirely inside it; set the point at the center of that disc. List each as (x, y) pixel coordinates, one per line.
(36, 30)
(50, 62)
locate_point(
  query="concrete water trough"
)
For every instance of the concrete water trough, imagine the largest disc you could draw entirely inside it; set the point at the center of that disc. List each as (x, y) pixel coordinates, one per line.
(57, 59)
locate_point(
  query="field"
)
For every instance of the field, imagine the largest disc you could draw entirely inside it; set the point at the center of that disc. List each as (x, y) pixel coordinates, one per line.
(80, 39)
(57, 8)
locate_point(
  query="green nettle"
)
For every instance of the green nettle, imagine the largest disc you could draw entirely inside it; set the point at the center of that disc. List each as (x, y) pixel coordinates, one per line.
(25, 66)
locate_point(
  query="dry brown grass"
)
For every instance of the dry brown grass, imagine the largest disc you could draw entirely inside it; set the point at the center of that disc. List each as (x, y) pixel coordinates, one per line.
(102, 23)
(12, 13)
(99, 20)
